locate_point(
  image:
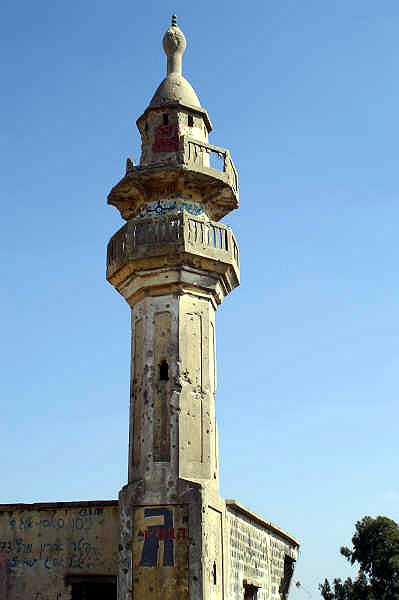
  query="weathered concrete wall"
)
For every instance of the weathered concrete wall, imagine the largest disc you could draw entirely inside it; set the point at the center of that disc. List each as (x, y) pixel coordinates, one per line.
(202, 549)
(213, 553)
(172, 429)
(161, 545)
(161, 130)
(197, 422)
(40, 544)
(153, 454)
(257, 554)
(160, 552)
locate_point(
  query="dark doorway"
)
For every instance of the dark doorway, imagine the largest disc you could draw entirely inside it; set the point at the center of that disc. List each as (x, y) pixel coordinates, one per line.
(92, 587)
(289, 565)
(93, 591)
(250, 592)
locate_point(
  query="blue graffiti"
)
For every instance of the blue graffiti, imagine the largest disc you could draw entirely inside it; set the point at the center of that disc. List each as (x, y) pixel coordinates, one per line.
(191, 208)
(149, 556)
(161, 207)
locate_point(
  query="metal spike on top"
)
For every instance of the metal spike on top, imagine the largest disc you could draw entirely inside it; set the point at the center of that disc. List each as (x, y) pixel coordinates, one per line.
(174, 21)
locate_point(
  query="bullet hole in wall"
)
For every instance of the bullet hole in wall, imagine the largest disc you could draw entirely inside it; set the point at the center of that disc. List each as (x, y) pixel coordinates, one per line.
(164, 371)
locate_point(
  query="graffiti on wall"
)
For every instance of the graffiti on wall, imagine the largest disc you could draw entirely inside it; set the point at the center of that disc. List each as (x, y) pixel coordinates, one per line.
(153, 536)
(82, 555)
(51, 540)
(156, 534)
(166, 138)
(160, 550)
(161, 207)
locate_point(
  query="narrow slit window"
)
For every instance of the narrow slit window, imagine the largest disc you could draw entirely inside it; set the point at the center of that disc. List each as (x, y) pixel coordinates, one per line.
(165, 119)
(146, 127)
(214, 573)
(164, 371)
(190, 121)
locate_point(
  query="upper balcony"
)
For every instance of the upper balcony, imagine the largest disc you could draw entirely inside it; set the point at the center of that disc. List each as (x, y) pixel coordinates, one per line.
(205, 171)
(173, 241)
(200, 156)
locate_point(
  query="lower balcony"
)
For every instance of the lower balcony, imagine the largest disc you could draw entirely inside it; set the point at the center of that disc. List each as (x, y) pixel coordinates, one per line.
(173, 241)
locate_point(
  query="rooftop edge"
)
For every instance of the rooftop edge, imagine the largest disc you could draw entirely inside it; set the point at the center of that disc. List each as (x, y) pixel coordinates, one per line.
(55, 505)
(231, 503)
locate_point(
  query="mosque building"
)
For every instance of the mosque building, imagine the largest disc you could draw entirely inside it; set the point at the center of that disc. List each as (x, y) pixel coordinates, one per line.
(170, 536)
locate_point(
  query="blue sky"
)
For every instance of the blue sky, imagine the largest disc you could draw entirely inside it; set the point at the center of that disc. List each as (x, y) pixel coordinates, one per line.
(305, 96)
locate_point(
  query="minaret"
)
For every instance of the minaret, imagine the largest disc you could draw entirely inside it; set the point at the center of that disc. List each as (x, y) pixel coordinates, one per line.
(174, 263)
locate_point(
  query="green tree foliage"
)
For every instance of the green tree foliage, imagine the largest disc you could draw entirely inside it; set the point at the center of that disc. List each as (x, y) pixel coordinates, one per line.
(376, 552)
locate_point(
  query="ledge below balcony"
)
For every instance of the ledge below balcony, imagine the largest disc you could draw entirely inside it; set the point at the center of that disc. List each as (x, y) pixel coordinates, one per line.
(173, 241)
(190, 167)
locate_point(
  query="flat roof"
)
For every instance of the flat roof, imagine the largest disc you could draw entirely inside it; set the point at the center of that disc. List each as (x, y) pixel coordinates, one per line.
(233, 504)
(55, 505)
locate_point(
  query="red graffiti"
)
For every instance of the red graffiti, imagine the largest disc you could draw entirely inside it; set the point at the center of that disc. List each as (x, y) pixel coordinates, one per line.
(181, 533)
(166, 139)
(165, 533)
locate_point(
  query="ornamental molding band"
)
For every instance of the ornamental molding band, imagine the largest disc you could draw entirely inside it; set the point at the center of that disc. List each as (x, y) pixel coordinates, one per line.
(170, 536)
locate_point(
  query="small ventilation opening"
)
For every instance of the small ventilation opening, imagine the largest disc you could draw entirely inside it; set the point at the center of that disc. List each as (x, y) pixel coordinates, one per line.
(163, 371)
(190, 121)
(165, 119)
(214, 573)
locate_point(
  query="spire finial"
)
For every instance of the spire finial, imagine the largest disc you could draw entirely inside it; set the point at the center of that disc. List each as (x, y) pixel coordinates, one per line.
(174, 44)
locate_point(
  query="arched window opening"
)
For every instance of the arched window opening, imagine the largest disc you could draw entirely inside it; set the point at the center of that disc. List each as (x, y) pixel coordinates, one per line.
(165, 119)
(214, 573)
(163, 371)
(190, 121)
